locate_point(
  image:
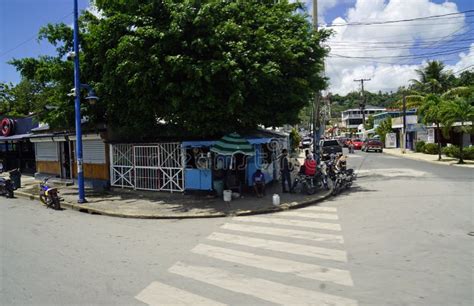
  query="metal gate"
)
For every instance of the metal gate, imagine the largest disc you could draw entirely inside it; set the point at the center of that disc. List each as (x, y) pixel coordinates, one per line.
(121, 169)
(158, 167)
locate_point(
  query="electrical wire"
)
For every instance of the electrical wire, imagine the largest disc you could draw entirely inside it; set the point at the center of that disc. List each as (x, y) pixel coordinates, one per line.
(31, 37)
(402, 20)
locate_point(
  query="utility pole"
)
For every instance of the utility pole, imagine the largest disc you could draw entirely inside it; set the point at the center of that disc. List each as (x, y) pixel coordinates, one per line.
(362, 104)
(404, 128)
(317, 100)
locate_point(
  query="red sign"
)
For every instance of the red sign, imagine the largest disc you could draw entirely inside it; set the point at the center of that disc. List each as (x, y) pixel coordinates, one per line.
(7, 127)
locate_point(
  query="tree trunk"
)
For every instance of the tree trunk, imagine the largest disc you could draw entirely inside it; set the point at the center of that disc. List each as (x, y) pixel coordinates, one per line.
(439, 140)
(461, 152)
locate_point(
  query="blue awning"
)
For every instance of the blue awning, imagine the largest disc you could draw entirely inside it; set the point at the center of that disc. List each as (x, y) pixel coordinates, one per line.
(209, 143)
(198, 143)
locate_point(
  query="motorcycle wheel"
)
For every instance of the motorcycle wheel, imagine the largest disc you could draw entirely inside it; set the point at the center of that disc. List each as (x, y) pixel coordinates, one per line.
(43, 199)
(310, 190)
(56, 204)
(10, 194)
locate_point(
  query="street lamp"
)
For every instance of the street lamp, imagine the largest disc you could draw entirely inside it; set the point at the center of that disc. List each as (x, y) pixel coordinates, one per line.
(92, 97)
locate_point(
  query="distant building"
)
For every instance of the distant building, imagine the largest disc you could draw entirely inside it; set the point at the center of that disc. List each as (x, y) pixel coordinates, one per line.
(352, 118)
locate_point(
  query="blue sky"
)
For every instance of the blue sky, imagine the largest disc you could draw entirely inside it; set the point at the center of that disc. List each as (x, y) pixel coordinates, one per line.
(20, 21)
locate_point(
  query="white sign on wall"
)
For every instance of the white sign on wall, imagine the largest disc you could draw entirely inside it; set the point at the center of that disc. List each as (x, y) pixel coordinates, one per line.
(431, 136)
(391, 140)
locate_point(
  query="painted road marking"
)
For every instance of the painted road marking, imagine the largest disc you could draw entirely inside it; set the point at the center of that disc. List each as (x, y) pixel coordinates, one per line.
(316, 272)
(278, 246)
(161, 294)
(257, 287)
(304, 214)
(297, 223)
(320, 208)
(291, 233)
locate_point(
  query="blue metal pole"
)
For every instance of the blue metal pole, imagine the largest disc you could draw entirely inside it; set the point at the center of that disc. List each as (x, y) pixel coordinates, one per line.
(77, 107)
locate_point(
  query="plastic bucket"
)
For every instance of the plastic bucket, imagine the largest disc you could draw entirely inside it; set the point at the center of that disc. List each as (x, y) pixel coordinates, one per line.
(276, 199)
(227, 195)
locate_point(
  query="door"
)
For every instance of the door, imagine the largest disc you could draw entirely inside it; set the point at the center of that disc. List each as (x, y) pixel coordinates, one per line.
(67, 159)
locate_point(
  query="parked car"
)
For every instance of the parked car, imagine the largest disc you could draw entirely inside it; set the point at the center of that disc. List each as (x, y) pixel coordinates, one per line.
(357, 143)
(372, 144)
(306, 142)
(330, 146)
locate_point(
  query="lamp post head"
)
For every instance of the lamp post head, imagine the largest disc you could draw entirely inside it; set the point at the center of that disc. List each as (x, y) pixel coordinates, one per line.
(92, 97)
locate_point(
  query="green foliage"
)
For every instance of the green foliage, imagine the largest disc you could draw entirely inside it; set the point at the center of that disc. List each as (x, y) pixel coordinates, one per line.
(430, 110)
(432, 78)
(204, 67)
(420, 146)
(431, 148)
(383, 129)
(295, 139)
(369, 124)
(454, 151)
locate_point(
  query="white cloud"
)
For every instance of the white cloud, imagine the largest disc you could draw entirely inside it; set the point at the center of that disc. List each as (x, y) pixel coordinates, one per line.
(387, 73)
(465, 60)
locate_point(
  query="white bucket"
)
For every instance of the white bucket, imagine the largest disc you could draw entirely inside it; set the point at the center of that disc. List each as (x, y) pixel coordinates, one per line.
(276, 199)
(227, 195)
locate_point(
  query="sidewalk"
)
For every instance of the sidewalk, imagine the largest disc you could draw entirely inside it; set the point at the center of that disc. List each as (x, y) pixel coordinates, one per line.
(127, 203)
(448, 161)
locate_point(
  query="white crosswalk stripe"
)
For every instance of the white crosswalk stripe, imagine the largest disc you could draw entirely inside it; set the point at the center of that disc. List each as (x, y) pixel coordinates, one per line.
(290, 233)
(286, 247)
(161, 294)
(319, 208)
(298, 223)
(305, 270)
(257, 287)
(237, 250)
(306, 214)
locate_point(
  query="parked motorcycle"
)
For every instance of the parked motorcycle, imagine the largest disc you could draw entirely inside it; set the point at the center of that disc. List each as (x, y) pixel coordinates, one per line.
(6, 187)
(49, 195)
(337, 172)
(305, 183)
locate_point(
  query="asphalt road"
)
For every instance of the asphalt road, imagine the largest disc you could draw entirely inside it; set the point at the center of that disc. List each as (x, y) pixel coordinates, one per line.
(398, 237)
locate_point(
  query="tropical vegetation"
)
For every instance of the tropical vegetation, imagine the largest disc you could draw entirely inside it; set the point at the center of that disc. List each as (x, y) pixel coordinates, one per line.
(197, 67)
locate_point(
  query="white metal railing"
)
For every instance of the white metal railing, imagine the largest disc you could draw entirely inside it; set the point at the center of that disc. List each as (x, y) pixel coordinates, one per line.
(158, 167)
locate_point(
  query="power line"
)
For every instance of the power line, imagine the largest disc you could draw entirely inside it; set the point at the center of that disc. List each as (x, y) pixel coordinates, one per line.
(400, 20)
(31, 37)
(447, 52)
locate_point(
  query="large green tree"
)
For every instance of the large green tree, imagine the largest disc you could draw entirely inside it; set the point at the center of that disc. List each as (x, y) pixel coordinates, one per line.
(459, 109)
(430, 112)
(204, 67)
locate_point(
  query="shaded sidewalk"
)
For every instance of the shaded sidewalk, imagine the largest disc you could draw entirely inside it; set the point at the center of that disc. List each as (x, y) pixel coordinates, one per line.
(448, 161)
(129, 203)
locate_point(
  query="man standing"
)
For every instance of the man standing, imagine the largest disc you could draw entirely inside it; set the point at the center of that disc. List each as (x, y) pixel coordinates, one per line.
(285, 168)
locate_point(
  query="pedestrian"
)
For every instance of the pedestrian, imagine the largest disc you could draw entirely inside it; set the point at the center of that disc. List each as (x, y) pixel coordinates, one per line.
(350, 146)
(310, 165)
(258, 180)
(285, 169)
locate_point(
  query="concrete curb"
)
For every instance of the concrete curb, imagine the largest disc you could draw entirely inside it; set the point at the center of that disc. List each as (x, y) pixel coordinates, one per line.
(436, 162)
(91, 210)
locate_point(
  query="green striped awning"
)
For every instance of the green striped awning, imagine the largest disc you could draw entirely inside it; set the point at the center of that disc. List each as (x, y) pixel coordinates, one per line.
(232, 144)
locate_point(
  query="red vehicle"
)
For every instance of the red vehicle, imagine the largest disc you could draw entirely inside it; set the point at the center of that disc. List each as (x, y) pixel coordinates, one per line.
(372, 144)
(357, 143)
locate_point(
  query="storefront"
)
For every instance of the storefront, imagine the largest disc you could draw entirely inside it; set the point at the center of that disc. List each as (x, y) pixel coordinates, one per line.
(16, 150)
(204, 168)
(55, 156)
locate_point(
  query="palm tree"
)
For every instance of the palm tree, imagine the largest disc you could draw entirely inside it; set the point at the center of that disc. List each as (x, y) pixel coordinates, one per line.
(458, 110)
(432, 78)
(430, 111)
